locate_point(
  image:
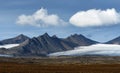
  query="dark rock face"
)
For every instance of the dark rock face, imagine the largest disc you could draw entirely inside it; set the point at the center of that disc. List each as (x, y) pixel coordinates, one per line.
(1, 43)
(45, 44)
(16, 40)
(80, 40)
(114, 41)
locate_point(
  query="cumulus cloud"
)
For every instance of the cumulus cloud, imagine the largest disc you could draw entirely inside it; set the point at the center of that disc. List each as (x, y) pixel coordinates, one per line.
(94, 17)
(98, 49)
(40, 18)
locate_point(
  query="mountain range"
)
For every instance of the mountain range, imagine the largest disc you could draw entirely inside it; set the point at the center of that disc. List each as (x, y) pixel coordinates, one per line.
(45, 44)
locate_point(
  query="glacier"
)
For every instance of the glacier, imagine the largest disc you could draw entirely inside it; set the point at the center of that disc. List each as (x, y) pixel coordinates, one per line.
(97, 49)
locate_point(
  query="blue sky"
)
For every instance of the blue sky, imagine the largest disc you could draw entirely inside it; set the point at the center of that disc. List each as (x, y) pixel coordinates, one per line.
(10, 10)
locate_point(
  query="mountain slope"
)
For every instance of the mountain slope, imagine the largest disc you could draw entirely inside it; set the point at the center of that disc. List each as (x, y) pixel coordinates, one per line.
(80, 40)
(114, 41)
(16, 40)
(0, 43)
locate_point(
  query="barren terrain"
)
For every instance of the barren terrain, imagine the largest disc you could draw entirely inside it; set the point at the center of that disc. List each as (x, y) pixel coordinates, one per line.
(84, 64)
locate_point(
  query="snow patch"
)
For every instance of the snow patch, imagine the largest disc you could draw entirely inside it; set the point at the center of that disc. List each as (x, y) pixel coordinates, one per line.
(4, 55)
(7, 46)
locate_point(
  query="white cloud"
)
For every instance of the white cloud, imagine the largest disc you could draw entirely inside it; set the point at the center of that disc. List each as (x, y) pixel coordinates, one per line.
(40, 18)
(98, 49)
(95, 17)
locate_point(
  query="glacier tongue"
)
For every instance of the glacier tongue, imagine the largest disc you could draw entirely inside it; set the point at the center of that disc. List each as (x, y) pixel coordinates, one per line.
(97, 49)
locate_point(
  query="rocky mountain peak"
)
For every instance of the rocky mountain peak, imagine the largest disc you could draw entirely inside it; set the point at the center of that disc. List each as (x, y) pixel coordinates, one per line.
(45, 35)
(16, 40)
(54, 36)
